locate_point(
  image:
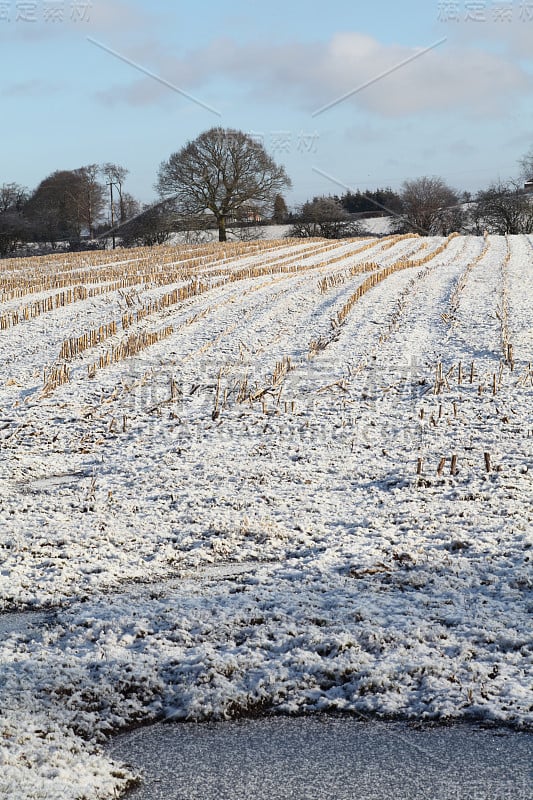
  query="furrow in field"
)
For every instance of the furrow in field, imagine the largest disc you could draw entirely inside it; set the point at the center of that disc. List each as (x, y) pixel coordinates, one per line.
(228, 310)
(433, 399)
(520, 288)
(332, 337)
(288, 327)
(83, 343)
(36, 333)
(46, 271)
(91, 286)
(478, 331)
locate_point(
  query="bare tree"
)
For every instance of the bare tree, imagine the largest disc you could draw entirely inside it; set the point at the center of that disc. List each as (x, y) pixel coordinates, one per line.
(474, 221)
(430, 206)
(131, 206)
(324, 216)
(195, 229)
(153, 225)
(54, 208)
(116, 175)
(221, 171)
(504, 208)
(14, 229)
(526, 165)
(65, 205)
(13, 197)
(94, 196)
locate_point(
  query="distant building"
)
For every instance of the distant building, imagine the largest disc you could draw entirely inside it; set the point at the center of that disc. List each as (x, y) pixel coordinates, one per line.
(528, 186)
(247, 214)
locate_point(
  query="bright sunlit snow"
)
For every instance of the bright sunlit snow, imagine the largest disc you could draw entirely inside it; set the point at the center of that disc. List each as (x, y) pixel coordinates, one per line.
(282, 494)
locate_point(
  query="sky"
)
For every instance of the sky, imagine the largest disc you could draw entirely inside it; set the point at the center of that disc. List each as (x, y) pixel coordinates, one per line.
(345, 94)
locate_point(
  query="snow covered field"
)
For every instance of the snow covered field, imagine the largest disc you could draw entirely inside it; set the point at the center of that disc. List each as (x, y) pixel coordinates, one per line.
(289, 475)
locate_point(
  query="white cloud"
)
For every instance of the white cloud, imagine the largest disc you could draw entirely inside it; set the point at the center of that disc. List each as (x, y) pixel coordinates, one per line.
(513, 37)
(448, 78)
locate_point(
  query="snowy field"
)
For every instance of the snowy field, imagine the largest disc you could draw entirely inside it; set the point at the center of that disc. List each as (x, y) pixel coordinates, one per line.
(373, 226)
(282, 475)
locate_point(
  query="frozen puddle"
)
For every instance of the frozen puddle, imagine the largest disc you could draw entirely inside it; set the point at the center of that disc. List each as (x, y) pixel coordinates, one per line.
(228, 570)
(23, 622)
(160, 587)
(331, 758)
(67, 480)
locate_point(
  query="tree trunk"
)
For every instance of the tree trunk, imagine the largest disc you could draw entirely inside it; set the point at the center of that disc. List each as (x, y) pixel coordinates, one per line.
(90, 218)
(222, 229)
(121, 204)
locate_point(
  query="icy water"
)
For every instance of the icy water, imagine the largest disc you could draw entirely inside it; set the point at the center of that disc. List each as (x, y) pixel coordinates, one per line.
(327, 758)
(23, 622)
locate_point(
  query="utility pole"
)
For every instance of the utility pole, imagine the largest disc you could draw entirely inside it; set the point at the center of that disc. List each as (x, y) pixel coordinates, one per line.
(111, 184)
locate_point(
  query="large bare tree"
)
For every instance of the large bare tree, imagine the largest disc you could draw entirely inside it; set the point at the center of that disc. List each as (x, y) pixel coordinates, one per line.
(223, 171)
(65, 204)
(430, 206)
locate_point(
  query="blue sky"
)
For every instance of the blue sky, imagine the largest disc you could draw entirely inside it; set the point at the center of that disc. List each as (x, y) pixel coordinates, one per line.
(462, 110)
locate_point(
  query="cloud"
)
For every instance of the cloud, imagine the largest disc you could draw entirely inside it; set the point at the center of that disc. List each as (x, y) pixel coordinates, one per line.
(117, 15)
(443, 79)
(462, 149)
(365, 134)
(83, 18)
(34, 88)
(512, 36)
(448, 78)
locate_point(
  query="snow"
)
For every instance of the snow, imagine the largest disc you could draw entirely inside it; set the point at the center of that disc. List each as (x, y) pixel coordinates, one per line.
(378, 226)
(206, 555)
(211, 235)
(374, 226)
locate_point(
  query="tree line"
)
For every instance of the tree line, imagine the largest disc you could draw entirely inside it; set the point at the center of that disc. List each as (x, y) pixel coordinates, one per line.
(67, 206)
(225, 178)
(427, 206)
